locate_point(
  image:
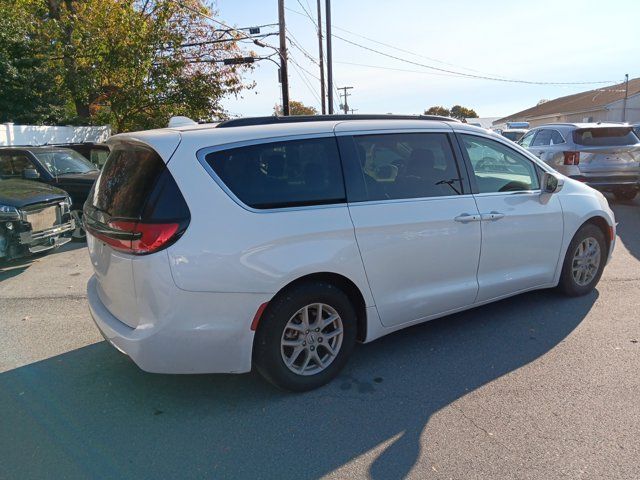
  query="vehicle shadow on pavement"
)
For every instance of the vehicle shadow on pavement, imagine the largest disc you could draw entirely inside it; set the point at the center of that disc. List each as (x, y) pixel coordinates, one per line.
(628, 228)
(13, 268)
(91, 413)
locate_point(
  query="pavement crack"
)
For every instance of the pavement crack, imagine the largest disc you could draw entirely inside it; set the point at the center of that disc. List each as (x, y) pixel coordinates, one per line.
(480, 427)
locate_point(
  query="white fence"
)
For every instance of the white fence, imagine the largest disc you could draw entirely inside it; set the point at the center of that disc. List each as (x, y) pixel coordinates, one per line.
(11, 134)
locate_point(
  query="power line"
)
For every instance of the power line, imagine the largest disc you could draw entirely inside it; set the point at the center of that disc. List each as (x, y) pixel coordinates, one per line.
(423, 72)
(310, 17)
(414, 53)
(304, 69)
(201, 13)
(468, 75)
(296, 68)
(493, 77)
(297, 45)
(306, 13)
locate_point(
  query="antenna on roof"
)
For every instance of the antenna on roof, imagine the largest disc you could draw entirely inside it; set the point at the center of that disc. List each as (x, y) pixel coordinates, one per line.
(180, 122)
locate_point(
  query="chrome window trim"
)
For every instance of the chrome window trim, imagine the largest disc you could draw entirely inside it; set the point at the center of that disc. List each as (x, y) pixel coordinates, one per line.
(203, 152)
(564, 140)
(515, 192)
(407, 200)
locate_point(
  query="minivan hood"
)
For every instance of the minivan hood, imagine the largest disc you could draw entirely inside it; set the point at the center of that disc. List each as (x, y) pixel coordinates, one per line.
(19, 193)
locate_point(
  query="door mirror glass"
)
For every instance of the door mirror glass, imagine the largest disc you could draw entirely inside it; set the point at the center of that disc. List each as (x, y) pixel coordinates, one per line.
(30, 174)
(551, 183)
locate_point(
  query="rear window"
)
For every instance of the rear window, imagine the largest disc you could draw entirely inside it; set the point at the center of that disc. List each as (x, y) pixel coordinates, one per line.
(282, 174)
(604, 137)
(513, 136)
(126, 181)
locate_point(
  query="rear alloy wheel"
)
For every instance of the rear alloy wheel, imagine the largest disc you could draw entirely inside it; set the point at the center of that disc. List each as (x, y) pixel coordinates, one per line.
(625, 194)
(584, 261)
(78, 234)
(305, 336)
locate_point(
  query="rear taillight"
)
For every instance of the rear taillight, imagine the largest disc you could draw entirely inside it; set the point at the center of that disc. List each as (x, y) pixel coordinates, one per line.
(138, 238)
(163, 219)
(571, 158)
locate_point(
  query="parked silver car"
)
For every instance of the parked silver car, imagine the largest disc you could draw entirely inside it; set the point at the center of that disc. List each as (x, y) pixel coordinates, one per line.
(603, 155)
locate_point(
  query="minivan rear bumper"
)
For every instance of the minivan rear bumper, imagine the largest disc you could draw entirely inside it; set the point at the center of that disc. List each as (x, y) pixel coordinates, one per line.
(608, 183)
(214, 339)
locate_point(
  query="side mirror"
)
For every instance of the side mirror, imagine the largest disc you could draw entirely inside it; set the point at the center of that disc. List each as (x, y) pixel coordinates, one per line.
(551, 183)
(30, 174)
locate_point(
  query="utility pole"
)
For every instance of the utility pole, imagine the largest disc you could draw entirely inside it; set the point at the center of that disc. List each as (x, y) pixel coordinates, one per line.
(329, 58)
(322, 92)
(284, 76)
(626, 95)
(345, 104)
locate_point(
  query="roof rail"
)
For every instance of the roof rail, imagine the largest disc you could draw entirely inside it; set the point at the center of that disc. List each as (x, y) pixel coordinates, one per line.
(250, 121)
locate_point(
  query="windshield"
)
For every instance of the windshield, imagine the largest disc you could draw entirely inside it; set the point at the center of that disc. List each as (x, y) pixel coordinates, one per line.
(605, 136)
(513, 136)
(62, 162)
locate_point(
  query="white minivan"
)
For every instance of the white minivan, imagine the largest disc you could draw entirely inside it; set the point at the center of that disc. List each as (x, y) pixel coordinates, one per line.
(279, 242)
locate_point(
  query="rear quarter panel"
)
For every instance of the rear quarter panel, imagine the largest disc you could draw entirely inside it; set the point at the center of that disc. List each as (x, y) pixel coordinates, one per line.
(229, 248)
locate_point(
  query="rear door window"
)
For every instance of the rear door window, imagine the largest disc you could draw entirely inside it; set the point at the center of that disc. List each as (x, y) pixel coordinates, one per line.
(556, 137)
(407, 165)
(542, 139)
(128, 176)
(282, 174)
(605, 136)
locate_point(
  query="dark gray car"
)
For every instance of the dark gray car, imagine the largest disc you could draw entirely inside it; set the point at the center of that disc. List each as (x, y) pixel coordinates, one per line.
(604, 155)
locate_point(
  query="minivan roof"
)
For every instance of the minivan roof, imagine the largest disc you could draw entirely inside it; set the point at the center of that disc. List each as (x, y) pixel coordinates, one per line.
(198, 136)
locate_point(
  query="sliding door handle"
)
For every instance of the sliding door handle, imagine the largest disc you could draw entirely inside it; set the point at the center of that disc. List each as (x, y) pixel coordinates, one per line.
(492, 216)
(466, 218)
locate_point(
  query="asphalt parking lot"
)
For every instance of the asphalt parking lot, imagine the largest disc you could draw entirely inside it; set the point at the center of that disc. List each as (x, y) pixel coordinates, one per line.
(537, 386)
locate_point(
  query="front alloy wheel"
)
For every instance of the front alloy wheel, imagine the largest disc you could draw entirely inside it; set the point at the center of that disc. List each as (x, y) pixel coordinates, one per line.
(584, 261)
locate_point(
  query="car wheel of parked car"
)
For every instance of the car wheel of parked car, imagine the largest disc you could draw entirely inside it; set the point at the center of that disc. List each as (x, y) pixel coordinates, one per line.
(305, 336)
(625, 194)
(78, 234)
(584, 261)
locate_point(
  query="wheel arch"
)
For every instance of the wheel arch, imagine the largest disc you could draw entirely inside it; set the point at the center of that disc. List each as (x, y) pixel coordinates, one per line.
(343, 283)
(603, 225)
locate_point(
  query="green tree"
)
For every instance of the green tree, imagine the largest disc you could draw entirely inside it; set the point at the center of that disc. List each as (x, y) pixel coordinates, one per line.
(456, 111)
(28, 92)
(296, 108)
(460, 112)
(438, 110)
(131, 63)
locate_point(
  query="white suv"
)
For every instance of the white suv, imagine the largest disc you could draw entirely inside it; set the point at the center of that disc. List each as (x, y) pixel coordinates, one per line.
(280, 242)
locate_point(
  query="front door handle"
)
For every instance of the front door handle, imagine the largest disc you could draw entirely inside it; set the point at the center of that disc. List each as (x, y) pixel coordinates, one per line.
(466, 218)
(492, 216)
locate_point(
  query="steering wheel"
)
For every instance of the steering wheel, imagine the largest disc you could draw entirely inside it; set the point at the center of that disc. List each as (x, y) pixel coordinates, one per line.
(482, 164)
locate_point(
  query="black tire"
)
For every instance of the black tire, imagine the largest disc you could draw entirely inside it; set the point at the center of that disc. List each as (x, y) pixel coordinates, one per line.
(79, 234)
(267, 356)
(625, 194)
(568, 284)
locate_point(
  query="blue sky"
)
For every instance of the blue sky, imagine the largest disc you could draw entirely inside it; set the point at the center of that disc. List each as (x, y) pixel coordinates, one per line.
(547, 41)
